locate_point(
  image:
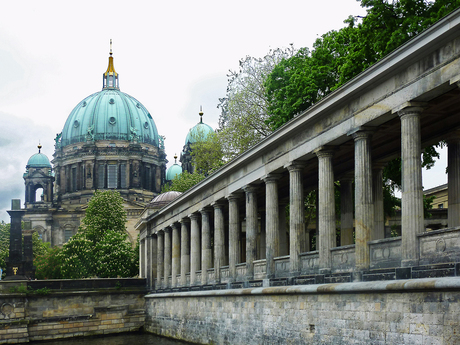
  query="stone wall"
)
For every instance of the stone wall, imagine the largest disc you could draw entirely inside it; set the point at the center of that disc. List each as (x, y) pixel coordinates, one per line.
(423, 311)
(29, 316)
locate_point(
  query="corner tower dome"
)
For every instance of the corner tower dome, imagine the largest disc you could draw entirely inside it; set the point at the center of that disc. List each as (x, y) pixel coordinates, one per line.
(199, 132)
(38, 160)
(109, 115)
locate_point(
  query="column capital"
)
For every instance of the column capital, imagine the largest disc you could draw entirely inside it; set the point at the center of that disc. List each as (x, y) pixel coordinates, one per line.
(218, 204)
(410, 108)
(174, 226)
(167, 230)
(205, 210)
(184, 220)
(234, 196)
(271, 178)
(295, 166)
(194, 216)
(250, 188)
(361, 132)
(324, 151)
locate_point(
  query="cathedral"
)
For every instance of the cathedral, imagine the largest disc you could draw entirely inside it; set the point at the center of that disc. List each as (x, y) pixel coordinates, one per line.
(108, 142)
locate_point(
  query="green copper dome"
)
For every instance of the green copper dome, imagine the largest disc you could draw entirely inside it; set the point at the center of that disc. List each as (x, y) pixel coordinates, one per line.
(173, 171)
(38, 160)
(200, 130)
(109, 115)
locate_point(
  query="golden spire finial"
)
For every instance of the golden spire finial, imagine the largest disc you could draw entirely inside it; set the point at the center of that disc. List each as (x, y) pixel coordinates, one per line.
(201, 114)
(39, 146)
(110, 47)
(175, 158)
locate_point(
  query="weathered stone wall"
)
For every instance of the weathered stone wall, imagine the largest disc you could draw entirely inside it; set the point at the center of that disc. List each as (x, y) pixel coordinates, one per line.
(424, 311)
(28, 317)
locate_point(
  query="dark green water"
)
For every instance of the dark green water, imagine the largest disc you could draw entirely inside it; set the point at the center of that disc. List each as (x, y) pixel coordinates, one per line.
(119, 339)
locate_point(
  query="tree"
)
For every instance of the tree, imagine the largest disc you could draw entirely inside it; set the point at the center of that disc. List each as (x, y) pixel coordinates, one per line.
(4, 243)
(244, 112)
(48, 264)
(100, 247)
(206, 152)
(298, 82)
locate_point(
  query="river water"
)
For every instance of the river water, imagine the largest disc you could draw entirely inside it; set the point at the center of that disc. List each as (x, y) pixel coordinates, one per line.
(119, 339)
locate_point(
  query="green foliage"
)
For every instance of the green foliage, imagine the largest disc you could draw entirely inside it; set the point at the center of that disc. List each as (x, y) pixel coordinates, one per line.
(104, 212)
(48, 264)
(207, 154)
(4, 243)
(298, 82)
(242, 122)
(184, 182)
(19, 289)
(100, 248)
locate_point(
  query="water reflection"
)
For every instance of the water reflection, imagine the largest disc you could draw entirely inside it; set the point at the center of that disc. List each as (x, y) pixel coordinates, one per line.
(119, 339)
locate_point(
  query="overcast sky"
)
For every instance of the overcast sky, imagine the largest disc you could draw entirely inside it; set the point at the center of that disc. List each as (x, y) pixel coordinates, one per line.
(172, 56)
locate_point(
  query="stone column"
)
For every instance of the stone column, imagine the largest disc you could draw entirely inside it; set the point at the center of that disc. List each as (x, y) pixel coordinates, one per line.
(154, 256)
(379, 214)
(453, 180)
(251, 230)
(283, 241)
(346, 211)
(184, 251)
(296, 216)
(206, 250)
(326, 208)
(271, 223)
(167, 259)
(233, 234)
(148, 257)
(175, 254)
(142, 258)
(412, 220)
(160, 257)
(195, 252)
(219, 239)
(364, 200)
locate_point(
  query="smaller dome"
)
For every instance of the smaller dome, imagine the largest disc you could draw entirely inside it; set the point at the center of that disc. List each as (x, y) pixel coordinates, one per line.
(200, 130)
(163, 199)
(173, 171)
(38, 160)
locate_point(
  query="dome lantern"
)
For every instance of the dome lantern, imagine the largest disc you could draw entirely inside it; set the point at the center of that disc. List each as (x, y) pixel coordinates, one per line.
(110, 77)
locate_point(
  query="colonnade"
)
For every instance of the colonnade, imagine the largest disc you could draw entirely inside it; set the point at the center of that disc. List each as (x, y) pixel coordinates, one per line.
(215, 244)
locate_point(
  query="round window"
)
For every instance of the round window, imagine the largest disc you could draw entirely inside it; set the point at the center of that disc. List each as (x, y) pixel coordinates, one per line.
(146, 125)
(112, 120)
(112, 101)
(84, 104)
(76, 123)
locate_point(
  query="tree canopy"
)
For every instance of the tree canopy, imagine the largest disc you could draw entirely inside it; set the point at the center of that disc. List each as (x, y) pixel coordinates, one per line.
(101, 247)
(298, 82)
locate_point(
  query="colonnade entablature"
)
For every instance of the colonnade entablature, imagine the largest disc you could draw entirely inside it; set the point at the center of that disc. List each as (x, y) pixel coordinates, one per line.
(247, 225)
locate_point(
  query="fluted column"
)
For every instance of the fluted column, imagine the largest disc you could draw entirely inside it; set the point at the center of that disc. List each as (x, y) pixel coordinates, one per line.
(154, 255)
(453, 179)
(175, 254)
(160, 257)
(184, 251)
(167, 254)
(271, 223)
(379, 214)
(364, 200)
(195, 250)
(346, 211)
(142, 258)
(412, 221)
(219, 239)
(148, 257)
(233, 234)
(296, 216)
(326, 208)
(206, 250)
(251, 230)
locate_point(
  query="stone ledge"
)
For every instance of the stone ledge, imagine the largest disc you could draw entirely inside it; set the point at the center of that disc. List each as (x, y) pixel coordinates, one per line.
(413, 285)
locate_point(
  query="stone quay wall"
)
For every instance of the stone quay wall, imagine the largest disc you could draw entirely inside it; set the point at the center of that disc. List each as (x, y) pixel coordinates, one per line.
(422, 311)
(61, 314)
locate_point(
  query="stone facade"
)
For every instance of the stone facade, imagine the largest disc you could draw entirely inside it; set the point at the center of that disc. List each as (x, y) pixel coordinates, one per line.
(64, 314)
(404, 312)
